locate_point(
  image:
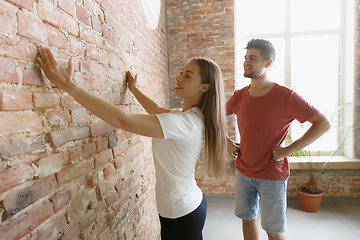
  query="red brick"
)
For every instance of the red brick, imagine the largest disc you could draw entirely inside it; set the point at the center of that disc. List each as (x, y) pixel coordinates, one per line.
(109, 170)
(205, 6)
(32, 75)
(52, 229)
(39, 213)
(120, 149)
(73, 233)
(50, 164)
(112, 48)
(15, 176)
(116, 22)
(92, 6)
(355, 190)
(111, 97)
(30, 27)
(83, 15)
(102, 225)
(68, 102)
(56, 38)
(27, 194)
(49, 14)
(89, 149)
(61, 136)
(22, 146)
(74, 153)
(19, 122)
(121, 136)
(119, 162)
(86, 34)
(45, 100)
(68, 6)
(21, 224)
(111, 198)
(7, 71)
(103, 157)
(17, 49)
(58, 118)
(99, 42)
(92, 53)
(46, 11)
(77, 47)
(93, 83)
(8, 17)
(69, 173)
(96, 23)
(62, 199)
(102, 144)
(15, 100)
(80, 116)
(87, 220)
(28, 4)
(80, 204)
(95, 178)
(100, 128)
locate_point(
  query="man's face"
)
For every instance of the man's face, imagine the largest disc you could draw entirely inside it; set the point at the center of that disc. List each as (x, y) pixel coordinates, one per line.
(254, 65)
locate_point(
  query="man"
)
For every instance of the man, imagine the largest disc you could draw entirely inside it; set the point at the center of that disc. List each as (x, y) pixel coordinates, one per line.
(264, 112)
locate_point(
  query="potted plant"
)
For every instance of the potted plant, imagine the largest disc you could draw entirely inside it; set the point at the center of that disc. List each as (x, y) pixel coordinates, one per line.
(309, 194)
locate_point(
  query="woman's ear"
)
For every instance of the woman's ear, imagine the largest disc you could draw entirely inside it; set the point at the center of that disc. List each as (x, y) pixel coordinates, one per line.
(205, 87)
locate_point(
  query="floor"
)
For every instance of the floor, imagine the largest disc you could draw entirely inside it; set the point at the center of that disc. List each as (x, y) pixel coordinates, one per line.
(337, 219)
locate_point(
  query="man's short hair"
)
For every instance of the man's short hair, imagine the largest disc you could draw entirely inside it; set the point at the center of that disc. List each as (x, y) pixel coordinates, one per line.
(266, 48)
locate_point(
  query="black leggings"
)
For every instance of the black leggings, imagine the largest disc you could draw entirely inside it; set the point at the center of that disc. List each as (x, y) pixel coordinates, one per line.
(188, 227)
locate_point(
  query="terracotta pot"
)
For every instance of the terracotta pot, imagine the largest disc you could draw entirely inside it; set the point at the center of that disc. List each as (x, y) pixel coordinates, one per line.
(309, 202)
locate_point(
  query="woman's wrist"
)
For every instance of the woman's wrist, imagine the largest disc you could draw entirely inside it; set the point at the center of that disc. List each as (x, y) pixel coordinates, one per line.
(72, 88)
(132, 88)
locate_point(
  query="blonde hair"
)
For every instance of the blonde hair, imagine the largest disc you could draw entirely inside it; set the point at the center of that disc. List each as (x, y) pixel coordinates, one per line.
(212, 104)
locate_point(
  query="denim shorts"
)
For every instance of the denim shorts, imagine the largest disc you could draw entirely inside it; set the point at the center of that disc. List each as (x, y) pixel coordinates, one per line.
(269, 194)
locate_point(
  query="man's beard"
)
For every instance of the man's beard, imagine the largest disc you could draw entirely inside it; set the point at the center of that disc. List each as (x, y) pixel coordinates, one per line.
(249, 75)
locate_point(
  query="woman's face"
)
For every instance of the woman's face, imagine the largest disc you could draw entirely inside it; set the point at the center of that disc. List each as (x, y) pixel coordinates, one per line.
(189, 84)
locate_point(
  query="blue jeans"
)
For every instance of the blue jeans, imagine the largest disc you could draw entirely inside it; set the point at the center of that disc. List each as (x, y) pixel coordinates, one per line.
(188, 227)
(269, 194)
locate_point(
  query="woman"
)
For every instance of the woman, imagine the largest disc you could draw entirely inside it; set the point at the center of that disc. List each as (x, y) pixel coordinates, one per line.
(177, 137)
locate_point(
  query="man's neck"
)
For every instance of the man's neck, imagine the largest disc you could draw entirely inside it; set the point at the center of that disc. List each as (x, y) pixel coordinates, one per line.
(260, 86)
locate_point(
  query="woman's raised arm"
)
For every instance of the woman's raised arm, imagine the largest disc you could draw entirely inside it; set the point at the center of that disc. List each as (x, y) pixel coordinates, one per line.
(148, 104)
(146, 125)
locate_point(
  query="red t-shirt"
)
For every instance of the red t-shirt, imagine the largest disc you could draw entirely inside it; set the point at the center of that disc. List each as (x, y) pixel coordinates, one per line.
(263, 124)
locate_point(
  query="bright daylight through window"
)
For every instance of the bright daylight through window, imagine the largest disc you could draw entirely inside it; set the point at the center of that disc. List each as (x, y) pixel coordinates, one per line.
(314, 54)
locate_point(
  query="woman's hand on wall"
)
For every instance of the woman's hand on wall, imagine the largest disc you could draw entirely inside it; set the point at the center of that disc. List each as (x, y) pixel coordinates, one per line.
(59, 76)
(148, 104)
(146, 125)
(130, 80)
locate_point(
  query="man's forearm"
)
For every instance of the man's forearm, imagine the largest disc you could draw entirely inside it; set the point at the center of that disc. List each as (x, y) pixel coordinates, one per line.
(319, 126)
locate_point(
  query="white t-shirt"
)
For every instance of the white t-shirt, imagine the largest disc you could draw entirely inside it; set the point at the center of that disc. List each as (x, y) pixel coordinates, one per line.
(175, 156)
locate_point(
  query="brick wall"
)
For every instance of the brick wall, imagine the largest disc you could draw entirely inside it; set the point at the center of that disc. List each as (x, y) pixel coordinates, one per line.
(64, 173)
(335, 183)
(201, 29)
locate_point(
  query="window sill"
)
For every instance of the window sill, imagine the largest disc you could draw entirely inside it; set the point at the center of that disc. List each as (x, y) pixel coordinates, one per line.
(337, 162)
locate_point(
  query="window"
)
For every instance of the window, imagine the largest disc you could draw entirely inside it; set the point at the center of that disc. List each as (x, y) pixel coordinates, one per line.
(314, 42)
